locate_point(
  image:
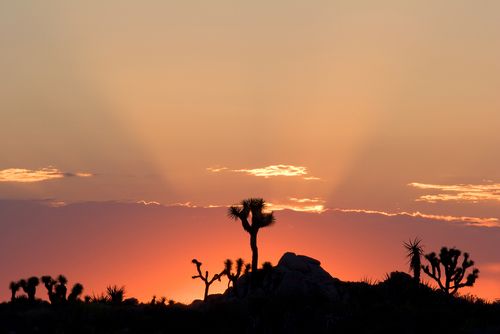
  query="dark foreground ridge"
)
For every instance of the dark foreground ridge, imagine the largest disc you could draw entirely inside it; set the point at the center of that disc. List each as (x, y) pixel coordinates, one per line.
(295, 296)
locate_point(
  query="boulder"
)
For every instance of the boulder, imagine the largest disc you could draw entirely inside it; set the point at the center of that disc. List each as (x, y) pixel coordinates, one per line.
(302, 276)
(295, 276)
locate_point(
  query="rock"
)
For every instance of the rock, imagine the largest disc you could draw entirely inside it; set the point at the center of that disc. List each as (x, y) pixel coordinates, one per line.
(295, 276)
(302, 276)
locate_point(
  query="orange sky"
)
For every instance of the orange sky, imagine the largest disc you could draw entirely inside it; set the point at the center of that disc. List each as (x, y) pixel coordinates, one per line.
(373, 109)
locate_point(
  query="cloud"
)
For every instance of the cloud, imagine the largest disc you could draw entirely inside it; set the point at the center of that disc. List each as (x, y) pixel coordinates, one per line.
(471, 221)
(270, 171)
(313, 205)
(148, 202)
(459, 192)
(22, 175)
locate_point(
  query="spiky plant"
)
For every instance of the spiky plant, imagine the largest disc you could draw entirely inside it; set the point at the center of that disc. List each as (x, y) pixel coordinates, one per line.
(76, 291)
(115, 294)
(14, 287)
(259, 219)
(414, 252)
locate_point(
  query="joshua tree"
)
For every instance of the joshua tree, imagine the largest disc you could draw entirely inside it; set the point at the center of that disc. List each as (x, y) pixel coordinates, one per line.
(232, 278)
(14, 287)
(49, 283)
(260, 219)
(414, 253)
(115, 294)
(76, 291)
(29, 287)
(205, 279)
(453, 273)
(61, 289)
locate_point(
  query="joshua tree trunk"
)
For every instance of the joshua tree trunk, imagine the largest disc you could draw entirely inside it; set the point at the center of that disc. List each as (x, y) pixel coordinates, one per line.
(13, 296)
(255, 251)
(206, 291)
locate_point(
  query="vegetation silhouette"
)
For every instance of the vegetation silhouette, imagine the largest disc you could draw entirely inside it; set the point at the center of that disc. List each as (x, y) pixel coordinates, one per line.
(414, 252)
(228, 266)
(14, 287)
(115, 294)
(295, 296)
(454, 273)
(205, 278)
(49, 283)
(259, 219)
(61, 289)
(76, 291)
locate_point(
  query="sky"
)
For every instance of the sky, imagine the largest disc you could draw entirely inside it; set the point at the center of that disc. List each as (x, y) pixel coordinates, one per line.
(344, 115)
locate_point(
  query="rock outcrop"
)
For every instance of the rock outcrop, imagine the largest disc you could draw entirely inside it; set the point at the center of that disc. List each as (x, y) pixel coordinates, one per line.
(295, 276)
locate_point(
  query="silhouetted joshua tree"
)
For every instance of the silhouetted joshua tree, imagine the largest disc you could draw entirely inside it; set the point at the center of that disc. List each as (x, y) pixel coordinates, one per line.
(29, 287)
(453, 273)
(115, 294)
(246, 271)
(260, 219)
(14, 287)
(49, 283)
(414, 253)
(61, 289)
(205, 279)
(232, 278)
(76, 291)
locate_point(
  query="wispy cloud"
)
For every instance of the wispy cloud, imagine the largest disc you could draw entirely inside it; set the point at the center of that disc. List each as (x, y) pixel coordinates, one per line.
(314, 205)
(270, 171)
(22, 175)
(459, 192)
(473, 221)
(148, 202)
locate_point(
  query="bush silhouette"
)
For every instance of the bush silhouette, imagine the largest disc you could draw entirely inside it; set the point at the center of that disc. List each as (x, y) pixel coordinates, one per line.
(205, 279)
(454, 273)
(414, 253)
(260, 218)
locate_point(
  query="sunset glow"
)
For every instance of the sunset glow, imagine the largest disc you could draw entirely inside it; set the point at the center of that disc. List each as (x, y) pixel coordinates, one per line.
(130, 127)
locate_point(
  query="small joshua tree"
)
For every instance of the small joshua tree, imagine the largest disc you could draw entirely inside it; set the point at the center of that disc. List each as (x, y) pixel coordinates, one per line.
(29, 287)
(61, 289)
(414, 253)
(453, 273)
(49, 283)
(14, 287)
(205, 279)
(232, 278)
(76, 291)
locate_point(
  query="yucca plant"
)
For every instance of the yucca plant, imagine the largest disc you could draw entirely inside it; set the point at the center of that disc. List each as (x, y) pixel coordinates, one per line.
(115, 294)
(414, 252)
(259, 219)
